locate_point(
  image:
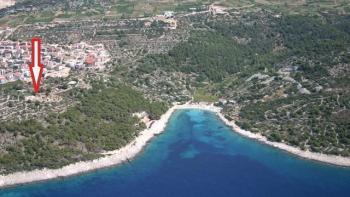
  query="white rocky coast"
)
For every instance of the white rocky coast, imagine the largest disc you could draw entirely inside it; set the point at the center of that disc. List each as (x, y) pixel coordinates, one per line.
(133, 148)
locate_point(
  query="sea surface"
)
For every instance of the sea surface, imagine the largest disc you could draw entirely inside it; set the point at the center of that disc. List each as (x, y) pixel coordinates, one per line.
(198, 155)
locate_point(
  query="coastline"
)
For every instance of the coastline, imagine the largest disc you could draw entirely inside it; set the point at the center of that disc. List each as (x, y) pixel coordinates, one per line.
(112, 158)
(129, 151)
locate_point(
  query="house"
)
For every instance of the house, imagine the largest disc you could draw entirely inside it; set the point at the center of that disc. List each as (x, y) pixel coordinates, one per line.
(26, 73)
(79, 66)
(169, 14)
(2, 79)
(217, 9)
(72, 83)
(8, 54)
(222, 101)
(90, 60)
(9, 77)
(17, 76)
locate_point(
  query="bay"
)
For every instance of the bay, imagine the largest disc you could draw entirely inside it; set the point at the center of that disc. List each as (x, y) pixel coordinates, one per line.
(198, 155)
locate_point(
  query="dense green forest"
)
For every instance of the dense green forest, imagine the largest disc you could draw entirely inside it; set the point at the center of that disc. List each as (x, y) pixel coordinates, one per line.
(311, 48)
(208, 54)
(215, 54)
(102, 121)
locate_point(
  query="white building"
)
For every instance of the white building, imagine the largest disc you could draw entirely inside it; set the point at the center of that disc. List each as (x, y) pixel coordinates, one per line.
(168, 14)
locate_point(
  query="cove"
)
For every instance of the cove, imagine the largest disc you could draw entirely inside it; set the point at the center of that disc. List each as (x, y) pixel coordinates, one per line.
(198, 155)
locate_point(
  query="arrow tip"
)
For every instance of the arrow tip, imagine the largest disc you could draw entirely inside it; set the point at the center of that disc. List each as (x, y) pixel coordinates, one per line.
(36, 73)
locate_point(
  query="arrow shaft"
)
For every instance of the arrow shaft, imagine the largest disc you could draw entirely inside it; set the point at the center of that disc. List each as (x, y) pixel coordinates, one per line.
(36, 68)
(36, 52)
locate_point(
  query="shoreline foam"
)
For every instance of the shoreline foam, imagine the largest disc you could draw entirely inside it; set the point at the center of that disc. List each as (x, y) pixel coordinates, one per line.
(129, 151)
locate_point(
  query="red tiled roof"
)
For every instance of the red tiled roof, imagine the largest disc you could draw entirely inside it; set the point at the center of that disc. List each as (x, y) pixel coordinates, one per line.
(90, 59)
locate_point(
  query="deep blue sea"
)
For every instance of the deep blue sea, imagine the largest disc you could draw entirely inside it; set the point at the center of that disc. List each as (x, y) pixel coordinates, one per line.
(199, 156)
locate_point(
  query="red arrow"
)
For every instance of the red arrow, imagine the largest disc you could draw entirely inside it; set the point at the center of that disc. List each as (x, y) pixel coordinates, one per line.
(36, 68)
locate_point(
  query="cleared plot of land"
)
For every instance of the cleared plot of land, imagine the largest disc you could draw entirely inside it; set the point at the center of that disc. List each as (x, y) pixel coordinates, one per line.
(6, 3)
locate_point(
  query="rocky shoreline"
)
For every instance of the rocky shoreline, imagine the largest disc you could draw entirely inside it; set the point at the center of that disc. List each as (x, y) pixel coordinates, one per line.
(136, 146)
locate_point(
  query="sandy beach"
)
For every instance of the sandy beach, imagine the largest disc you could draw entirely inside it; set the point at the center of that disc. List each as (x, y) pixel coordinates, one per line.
(129, 151)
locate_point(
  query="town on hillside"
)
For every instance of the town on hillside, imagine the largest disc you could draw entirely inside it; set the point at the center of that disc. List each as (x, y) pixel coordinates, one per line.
(58, 60)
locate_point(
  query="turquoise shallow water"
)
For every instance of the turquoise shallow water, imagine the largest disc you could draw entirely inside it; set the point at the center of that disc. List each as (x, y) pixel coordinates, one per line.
(198, 155)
